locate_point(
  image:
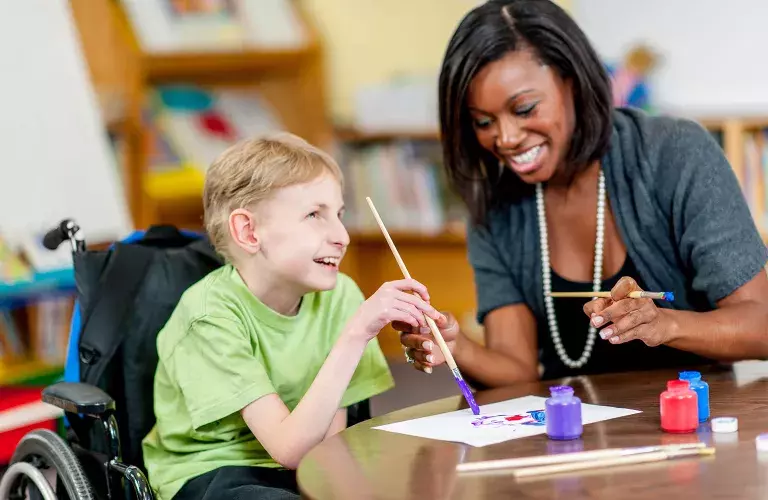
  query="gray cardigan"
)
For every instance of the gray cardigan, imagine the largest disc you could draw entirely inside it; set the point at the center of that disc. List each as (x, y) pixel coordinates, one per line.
(679, 209)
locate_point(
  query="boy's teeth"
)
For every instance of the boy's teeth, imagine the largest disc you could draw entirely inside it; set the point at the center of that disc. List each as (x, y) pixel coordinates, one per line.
(329, 260)
(528, 156)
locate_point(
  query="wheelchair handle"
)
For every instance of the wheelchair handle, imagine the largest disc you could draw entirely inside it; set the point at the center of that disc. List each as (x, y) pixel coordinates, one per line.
(66, 230)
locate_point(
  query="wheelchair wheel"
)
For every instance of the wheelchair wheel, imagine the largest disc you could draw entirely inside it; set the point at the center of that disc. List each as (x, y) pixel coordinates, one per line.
(47, 452)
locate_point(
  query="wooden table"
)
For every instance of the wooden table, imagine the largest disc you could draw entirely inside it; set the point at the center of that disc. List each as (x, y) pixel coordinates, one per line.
(363, 463)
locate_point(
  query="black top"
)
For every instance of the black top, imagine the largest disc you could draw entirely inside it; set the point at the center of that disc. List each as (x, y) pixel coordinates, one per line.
(573, 325)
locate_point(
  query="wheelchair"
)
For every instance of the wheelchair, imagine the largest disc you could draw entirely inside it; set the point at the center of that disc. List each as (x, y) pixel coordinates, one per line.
(106, 418)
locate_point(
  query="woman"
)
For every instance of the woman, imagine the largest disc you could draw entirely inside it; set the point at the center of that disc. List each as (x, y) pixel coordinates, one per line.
(568, 194)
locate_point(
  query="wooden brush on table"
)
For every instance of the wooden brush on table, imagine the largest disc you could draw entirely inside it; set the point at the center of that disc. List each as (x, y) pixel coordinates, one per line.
(432, 326)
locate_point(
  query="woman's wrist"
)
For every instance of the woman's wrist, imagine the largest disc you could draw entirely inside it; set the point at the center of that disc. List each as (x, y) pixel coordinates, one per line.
(459, 348)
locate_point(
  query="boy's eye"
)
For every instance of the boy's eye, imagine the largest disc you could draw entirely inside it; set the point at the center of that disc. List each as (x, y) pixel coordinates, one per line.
(313, 215)
(525, 110)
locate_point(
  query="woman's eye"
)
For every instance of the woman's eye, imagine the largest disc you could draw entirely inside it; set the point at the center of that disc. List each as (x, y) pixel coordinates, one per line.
(482, 122)
(313, 215)
(525, 110)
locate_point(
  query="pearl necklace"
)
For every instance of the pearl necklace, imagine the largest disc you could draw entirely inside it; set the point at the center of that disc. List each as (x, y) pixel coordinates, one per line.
(547, 280)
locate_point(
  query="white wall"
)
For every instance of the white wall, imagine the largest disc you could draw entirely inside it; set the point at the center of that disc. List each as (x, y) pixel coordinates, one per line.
(55, 160)
(715, 52)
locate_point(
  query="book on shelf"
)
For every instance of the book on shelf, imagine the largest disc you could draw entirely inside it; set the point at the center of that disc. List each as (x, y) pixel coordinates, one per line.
(754, 175)
(178, 26)
(39, 332)
(404, 180)
(189, 126)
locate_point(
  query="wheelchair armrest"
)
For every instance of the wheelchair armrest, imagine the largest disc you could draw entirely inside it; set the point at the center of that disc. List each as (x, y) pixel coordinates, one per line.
(76, 397)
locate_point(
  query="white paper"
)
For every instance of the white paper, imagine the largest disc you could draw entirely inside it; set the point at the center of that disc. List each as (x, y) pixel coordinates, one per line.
(497, 422)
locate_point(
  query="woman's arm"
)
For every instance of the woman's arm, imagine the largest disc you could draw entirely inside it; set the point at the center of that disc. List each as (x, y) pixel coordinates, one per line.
(716, 238)
(510, 351)
(508, 356)
(736, 330)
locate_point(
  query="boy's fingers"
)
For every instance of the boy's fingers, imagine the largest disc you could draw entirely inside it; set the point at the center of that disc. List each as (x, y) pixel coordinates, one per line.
(419, 303)
(411, 285)
(446, 321)
(412, 310)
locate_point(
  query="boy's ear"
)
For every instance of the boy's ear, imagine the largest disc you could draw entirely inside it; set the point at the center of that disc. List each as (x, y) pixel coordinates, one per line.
(242, 228)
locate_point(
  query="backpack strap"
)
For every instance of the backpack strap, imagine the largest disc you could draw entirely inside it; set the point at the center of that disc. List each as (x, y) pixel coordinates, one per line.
(103, 329)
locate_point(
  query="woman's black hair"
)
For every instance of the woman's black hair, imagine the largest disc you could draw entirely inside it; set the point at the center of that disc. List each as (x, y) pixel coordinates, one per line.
(486, 34)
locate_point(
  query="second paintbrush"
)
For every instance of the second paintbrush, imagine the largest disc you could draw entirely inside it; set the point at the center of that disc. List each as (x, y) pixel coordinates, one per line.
(668, 296)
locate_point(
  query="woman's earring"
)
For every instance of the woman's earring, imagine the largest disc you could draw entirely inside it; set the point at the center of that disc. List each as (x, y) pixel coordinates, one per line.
(501, 168)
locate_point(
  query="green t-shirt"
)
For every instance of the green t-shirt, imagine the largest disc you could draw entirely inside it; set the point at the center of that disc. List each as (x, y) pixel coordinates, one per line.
(220, 350)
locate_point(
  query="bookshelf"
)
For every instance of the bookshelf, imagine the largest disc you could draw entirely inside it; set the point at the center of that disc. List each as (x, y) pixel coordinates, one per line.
(744, 140)
(291, 80)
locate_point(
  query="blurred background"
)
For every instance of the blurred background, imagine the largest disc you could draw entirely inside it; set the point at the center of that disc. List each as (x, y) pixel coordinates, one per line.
(112, 109)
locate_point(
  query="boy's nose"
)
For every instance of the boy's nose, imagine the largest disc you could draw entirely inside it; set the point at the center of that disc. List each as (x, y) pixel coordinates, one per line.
(340, 236)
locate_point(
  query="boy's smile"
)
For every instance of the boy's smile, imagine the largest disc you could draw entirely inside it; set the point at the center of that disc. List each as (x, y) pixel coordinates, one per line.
(301, 241)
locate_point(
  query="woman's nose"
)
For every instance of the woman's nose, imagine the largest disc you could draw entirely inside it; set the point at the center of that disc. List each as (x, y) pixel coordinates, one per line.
(510, 134)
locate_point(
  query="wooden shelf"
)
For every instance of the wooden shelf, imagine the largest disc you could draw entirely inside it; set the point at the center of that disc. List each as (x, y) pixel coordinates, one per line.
(354, 136)
(208, 66)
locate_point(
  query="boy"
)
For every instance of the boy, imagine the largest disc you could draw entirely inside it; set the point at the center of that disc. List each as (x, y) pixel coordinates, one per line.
(260, 358)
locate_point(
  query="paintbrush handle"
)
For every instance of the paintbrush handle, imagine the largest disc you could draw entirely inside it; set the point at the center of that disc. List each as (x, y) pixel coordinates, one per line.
(441, 343)
(632, 295)
(654, 456)
(432, 326)
(579, 456)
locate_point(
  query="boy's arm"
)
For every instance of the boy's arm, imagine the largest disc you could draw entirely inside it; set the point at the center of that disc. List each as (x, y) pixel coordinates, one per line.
(338, 424)
(288, 436)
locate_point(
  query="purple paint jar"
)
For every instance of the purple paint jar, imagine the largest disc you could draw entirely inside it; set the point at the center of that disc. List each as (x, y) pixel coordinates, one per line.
(563, 411)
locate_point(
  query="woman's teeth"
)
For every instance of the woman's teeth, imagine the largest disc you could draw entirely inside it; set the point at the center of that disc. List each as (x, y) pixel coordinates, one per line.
(528, 156)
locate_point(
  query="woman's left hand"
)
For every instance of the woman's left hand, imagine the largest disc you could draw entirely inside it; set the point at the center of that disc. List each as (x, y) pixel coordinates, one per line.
(622, 319)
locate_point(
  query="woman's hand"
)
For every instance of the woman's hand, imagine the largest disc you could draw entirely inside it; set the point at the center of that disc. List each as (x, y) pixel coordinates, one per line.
(622, 319)
(420, 345)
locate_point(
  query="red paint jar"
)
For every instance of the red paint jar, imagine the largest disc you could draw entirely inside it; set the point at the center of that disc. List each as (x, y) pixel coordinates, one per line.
(679, 407)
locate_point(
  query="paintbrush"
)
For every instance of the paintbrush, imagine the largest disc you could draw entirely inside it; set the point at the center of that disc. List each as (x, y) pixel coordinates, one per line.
(640, 458)
(432, 326)
(562, 458)
(668, 296)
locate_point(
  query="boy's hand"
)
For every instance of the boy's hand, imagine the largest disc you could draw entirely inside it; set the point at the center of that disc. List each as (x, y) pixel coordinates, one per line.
(420, 345)
(393, 301)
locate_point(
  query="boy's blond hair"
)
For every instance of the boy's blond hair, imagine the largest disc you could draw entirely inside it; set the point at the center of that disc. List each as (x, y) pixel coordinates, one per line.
(249, 171)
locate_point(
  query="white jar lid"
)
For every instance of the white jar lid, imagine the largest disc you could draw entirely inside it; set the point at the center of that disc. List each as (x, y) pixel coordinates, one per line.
(725, 424)
(761, 442)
